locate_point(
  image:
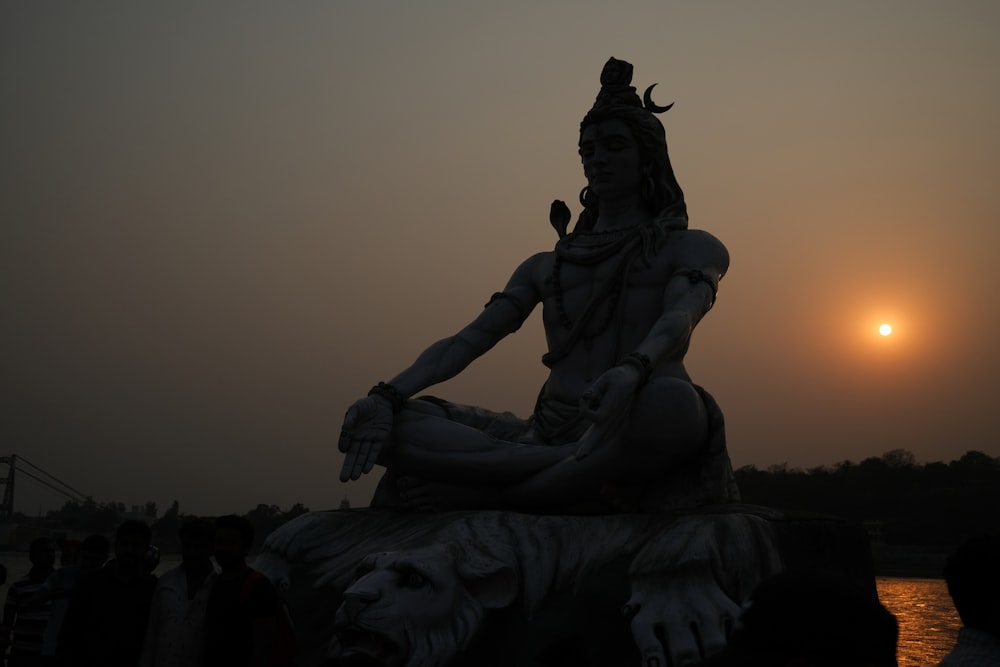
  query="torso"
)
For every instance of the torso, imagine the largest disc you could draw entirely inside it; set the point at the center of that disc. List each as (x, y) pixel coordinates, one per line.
(113, 616)
(233, 605)
(605, 340)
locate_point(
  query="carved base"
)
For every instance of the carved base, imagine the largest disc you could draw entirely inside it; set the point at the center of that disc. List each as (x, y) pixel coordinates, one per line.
(379, 587)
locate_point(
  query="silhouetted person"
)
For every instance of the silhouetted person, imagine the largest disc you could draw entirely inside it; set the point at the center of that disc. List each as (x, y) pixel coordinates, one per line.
(175, 636)
(974, 584)
(56, 591)
(77, 560)
(24, 616)
(243, 607)
(108, 610)
(811, 619)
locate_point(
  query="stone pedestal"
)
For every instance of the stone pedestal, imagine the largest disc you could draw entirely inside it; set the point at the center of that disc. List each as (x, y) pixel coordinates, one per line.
(380, 587)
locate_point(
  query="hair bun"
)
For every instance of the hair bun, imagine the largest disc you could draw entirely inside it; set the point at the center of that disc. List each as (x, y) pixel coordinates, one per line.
(616, 73)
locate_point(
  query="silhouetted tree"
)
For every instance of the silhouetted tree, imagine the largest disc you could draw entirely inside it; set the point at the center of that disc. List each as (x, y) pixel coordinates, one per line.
(899, 458)
(976, 465)
(267, 518)
(936, 504)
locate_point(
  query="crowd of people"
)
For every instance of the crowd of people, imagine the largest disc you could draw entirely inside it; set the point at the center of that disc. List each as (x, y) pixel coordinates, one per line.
(95, 612)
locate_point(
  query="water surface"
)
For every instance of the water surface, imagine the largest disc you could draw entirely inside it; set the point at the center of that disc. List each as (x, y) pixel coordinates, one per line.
(928, 622)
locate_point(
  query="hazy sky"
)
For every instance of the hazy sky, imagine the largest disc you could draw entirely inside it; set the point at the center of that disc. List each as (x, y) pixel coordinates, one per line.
(222, 222)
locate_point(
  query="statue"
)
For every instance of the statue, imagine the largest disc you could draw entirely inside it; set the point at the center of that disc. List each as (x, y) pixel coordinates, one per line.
(618, 424)
(603, 530)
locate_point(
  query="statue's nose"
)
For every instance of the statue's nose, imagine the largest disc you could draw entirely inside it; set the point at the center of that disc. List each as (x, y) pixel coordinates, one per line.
(355, 600)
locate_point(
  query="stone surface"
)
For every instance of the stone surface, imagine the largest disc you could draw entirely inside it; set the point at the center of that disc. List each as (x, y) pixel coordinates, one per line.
(503, 588)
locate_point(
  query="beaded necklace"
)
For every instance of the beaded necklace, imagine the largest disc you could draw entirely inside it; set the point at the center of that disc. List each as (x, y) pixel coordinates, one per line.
(588, 249)
(602, 246)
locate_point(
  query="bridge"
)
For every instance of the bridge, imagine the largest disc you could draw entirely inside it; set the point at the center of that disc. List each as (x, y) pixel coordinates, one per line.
(18, 465)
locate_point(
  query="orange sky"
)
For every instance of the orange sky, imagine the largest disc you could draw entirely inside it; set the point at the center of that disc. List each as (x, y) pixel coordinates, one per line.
(219, 225)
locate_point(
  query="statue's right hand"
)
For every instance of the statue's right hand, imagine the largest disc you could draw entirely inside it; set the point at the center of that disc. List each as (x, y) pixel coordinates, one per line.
(366, 429)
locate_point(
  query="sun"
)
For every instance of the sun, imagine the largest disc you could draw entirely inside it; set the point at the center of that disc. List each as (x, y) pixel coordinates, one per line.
(885, 329)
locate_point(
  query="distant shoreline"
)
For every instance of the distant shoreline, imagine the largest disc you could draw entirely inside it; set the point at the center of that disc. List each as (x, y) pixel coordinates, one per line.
(909, 561)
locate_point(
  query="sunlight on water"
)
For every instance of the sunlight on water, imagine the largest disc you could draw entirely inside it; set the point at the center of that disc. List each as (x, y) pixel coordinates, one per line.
(928, 622)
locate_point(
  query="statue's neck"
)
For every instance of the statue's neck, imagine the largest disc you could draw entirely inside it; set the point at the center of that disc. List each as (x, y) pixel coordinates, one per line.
(619, 214)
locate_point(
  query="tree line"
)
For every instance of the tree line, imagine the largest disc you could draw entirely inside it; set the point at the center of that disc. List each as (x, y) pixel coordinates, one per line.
(904, 502)
(94, 517)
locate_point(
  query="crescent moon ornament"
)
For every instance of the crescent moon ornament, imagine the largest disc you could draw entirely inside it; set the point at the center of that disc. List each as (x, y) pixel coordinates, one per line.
(647, 101)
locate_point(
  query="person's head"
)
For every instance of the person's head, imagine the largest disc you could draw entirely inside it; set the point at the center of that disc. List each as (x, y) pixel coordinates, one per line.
(812, 619)
(131, 543)
(94, 551)
(233, 539)
(42, 553)
(974, 582)
(195, 536)
(633, 134)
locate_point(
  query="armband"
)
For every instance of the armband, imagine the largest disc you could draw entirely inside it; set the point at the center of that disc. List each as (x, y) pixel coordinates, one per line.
(495, 297)
(389, 393)
(507, 296)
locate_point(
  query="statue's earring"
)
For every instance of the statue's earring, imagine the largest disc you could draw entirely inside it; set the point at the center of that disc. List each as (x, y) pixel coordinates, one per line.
(585, 197)
(647, 188)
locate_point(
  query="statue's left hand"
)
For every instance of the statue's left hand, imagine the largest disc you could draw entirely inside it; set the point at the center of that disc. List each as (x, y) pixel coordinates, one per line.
(607, 404)
(366, 429)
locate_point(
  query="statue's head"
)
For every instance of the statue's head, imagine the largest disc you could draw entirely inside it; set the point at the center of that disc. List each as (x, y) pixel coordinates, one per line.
(618, 101)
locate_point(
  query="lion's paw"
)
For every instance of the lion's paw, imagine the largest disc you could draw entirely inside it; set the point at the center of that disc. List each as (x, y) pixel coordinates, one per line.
(679, 618)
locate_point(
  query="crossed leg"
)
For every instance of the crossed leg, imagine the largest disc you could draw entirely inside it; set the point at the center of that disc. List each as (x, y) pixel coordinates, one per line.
(437, 462)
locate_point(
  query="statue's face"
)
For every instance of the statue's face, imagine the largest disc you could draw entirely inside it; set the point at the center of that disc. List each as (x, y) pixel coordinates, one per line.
(611, 161)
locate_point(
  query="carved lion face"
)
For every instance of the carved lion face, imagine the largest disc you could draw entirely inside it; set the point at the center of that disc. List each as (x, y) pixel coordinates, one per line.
(417, 607)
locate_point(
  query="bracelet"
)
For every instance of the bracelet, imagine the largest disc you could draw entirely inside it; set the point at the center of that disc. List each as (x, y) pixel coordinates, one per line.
(641, 363)
(389, 393)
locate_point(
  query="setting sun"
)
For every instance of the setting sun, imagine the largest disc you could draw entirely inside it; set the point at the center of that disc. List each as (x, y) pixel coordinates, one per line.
(885, 329)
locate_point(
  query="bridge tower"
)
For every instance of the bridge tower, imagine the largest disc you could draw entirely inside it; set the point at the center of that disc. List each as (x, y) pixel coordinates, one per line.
(7, 504)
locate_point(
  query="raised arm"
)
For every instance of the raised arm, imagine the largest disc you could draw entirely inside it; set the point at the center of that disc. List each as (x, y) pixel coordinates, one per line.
(690, 293)
(368, 423)
(503, 315)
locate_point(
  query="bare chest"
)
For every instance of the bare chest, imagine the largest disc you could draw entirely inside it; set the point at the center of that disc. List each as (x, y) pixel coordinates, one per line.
(562, 279)
(599, 296)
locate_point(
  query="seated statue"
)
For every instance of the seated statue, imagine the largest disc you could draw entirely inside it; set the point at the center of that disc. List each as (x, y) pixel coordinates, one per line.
(657, 570)
(618, 425)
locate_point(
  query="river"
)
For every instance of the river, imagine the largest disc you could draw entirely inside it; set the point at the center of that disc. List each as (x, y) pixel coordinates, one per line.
(928, 623)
